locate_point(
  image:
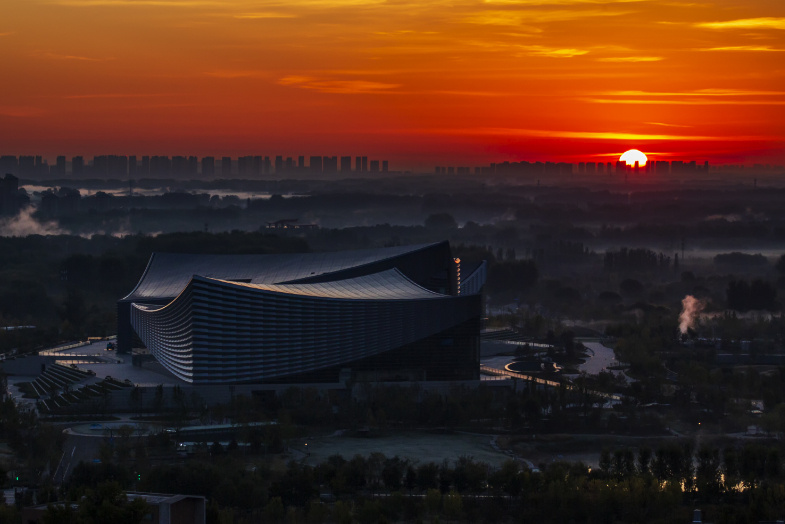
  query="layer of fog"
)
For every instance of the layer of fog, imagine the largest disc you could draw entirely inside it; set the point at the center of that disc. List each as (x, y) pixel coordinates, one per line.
(25, 224)
(37, 190)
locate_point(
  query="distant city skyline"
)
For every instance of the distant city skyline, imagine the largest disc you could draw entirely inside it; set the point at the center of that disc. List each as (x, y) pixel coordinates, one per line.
(255, 166)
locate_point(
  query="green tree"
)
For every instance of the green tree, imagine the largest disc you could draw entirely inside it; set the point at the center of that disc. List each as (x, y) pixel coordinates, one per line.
(440, 221)
(452, 504)
(104, 503)
(707, 472)
(274, 510)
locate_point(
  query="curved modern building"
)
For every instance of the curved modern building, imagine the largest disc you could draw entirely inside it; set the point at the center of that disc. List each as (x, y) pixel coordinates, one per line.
(400, 313)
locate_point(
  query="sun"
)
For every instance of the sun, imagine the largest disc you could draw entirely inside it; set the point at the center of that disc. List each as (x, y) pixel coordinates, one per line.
(632, 156)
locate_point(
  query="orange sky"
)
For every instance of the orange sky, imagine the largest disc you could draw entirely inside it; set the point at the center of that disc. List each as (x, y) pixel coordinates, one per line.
(464, 82)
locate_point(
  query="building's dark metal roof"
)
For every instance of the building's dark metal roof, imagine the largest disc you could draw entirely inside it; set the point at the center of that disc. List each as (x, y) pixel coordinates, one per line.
(385, 285)
(167, 274)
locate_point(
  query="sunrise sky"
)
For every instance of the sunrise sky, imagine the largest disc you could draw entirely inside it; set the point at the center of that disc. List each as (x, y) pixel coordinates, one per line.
(421, 83)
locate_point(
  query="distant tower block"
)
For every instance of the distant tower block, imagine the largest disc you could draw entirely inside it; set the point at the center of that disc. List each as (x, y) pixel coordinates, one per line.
(316, 164)
(208, 166)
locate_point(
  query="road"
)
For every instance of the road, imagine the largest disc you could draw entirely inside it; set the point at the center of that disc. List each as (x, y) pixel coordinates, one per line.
(77, 448)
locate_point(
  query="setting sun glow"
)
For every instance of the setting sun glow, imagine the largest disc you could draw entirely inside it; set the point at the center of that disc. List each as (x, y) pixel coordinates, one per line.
(632, 156)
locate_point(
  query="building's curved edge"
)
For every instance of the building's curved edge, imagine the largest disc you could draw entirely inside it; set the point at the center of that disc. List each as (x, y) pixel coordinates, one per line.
(144, 275)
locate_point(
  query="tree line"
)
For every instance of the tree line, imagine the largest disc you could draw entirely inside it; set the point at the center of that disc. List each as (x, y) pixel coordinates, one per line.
(738, 484)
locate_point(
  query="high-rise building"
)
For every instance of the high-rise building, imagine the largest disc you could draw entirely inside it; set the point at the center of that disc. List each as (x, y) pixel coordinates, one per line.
(100, 166)
(267, 166)
(244, 164)
(132, 166)
(179, 166)
(346, 164)
(9, 165)
(385, 166)
(9, 195)
(358, 164)
(278, 164)
(208, 166)
(662, 167)
(26, 166)
(256, 168)
(226, 166)
(365, 164)
(145, 167)
(316, 164)
(301, 162)
(41, 167)
(119, 166)
(374, 166)
(330, 164)
(160, 166)
(59, 167)
(107, 166)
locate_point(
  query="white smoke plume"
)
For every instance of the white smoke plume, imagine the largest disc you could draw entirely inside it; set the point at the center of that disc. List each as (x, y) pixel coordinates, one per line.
(690, 309)
(24, 224)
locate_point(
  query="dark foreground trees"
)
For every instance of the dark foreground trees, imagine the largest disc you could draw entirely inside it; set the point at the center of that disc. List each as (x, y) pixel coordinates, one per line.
(734, 484)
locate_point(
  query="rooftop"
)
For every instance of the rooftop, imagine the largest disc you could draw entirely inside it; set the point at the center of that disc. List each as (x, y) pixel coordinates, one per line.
(167, 274)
